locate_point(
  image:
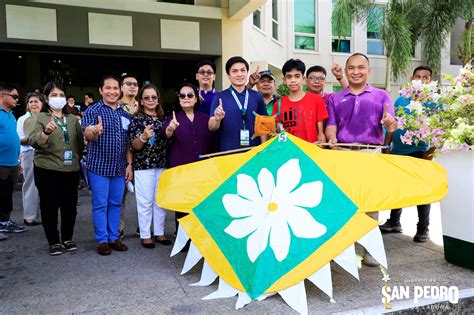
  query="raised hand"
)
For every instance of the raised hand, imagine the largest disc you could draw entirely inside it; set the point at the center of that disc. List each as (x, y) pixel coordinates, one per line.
(336, 69)
(219, 113)
(51, 126)
(388, 120)
(148, 132)
(173, 123)
(254, 77)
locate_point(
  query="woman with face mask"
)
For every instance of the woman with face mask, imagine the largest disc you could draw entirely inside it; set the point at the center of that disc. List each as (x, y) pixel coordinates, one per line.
(34, 104)
(58, 141)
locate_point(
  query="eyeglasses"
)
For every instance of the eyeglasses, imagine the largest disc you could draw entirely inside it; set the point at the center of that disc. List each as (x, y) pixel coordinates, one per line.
(14, 96)
(206, 73)
(183, 96)
(128, 83)
(150, 98)
(317, 79)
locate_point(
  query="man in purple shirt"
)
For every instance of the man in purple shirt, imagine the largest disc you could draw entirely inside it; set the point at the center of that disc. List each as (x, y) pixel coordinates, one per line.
(358, 113)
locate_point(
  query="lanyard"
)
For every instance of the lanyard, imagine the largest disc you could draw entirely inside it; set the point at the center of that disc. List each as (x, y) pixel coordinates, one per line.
(63, 127)
(243, 109)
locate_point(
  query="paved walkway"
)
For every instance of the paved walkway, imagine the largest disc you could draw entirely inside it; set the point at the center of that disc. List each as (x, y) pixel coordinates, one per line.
(148, 281)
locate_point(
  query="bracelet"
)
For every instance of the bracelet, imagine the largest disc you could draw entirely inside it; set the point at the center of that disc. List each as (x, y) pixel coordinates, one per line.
(141, 139)
(48, 134)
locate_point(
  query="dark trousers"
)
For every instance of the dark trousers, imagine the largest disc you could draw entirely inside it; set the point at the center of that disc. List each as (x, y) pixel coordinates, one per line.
(8, 180)
(57, 190)
(423, 210)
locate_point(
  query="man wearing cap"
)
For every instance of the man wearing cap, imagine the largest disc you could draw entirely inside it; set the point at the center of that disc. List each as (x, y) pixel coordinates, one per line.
(265, 81)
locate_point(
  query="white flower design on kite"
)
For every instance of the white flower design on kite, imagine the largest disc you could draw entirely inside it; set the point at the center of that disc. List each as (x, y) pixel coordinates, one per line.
(268, 209)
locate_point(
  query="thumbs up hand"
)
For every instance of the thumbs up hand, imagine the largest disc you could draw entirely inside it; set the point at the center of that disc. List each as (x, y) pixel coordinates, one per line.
(219, 113)
(148, 132)
(388, 120)
(50, 127)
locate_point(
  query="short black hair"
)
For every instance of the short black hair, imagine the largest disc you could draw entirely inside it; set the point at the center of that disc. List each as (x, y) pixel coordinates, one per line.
(52, 85)
(89, 94)
(127, 75)
(316, 69)
(234, 60)
(107, 77)
(5, 87)
(70, 96)
(294, 64)
(423, 67)
(358, 54)
(206, 62)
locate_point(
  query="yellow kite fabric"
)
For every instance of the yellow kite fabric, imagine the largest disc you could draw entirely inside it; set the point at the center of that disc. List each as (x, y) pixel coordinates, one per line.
(269, 218)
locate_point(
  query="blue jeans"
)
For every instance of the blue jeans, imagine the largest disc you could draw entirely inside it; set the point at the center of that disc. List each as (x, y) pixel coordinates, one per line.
(107, 193)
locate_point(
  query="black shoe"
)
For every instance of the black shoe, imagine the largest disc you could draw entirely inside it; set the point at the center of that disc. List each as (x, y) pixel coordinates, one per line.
(422, 235)
(148, 245)
(163, 241)
(55, 250)
(391, 227)
(70, 246)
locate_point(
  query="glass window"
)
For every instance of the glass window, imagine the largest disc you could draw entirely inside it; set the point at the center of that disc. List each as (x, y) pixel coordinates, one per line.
(257, 18)
(375, 21)
(304, 42)
(341, 42)
(275, 33)
(305, 24)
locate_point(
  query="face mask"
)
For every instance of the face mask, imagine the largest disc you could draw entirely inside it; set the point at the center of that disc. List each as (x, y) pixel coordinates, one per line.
(57, 103)
(71, 104)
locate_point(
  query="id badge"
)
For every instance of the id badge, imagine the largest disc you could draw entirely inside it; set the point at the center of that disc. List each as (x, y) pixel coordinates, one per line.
(68, 157)
(244, 137)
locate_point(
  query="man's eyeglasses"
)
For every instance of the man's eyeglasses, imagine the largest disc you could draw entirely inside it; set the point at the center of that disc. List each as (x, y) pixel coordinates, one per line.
(14, 96)
(183, 96)
(317, 79)
(150, 98)
(205, 73)
(128, 83)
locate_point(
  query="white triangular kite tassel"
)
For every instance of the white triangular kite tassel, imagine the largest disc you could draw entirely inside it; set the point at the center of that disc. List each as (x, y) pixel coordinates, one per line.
(322, 279)
(295, 297)
(347, 260)
(192, 258)
(181, 240)
(224, 290)
(264, 296)
(207, 276)
(373, 243)
(242, 300)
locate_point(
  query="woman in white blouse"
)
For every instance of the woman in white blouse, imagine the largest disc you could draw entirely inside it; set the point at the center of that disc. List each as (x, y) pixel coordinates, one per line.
(34, 103)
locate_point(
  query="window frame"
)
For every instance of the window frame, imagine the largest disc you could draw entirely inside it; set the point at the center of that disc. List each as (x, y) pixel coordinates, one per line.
(276, 20)
(376, 40)
(261, 20)
(308, 35)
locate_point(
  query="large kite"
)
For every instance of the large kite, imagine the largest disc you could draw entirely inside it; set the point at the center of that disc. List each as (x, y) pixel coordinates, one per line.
(268, 219)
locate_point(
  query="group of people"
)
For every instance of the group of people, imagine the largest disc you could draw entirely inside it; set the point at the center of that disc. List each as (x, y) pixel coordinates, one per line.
(130, 139)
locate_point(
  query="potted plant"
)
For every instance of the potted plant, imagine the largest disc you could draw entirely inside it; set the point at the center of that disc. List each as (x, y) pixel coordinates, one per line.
(444, 118)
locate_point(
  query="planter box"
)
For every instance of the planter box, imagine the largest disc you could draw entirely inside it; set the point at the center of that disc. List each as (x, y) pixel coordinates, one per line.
(457, 209)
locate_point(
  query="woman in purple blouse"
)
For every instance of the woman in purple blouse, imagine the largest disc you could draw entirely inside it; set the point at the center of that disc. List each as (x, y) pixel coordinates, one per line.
(188, 130)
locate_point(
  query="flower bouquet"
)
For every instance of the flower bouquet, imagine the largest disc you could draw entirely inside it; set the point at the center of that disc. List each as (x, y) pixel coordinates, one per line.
(442, 117)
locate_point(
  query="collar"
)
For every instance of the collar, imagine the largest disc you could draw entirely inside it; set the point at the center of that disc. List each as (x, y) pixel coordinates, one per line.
(212, 91)
(102, 103)
(368, 89)
(237, 92)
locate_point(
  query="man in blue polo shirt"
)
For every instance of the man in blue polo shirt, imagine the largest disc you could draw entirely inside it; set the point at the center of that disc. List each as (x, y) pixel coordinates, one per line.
(9, 152)
(109, 163)
(235, 118)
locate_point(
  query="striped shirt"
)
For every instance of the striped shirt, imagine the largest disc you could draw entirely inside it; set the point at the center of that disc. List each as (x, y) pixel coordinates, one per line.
(107, 155)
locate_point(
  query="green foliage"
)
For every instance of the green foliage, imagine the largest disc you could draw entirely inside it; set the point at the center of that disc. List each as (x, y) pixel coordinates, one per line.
(466, 49)
(282, 90)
